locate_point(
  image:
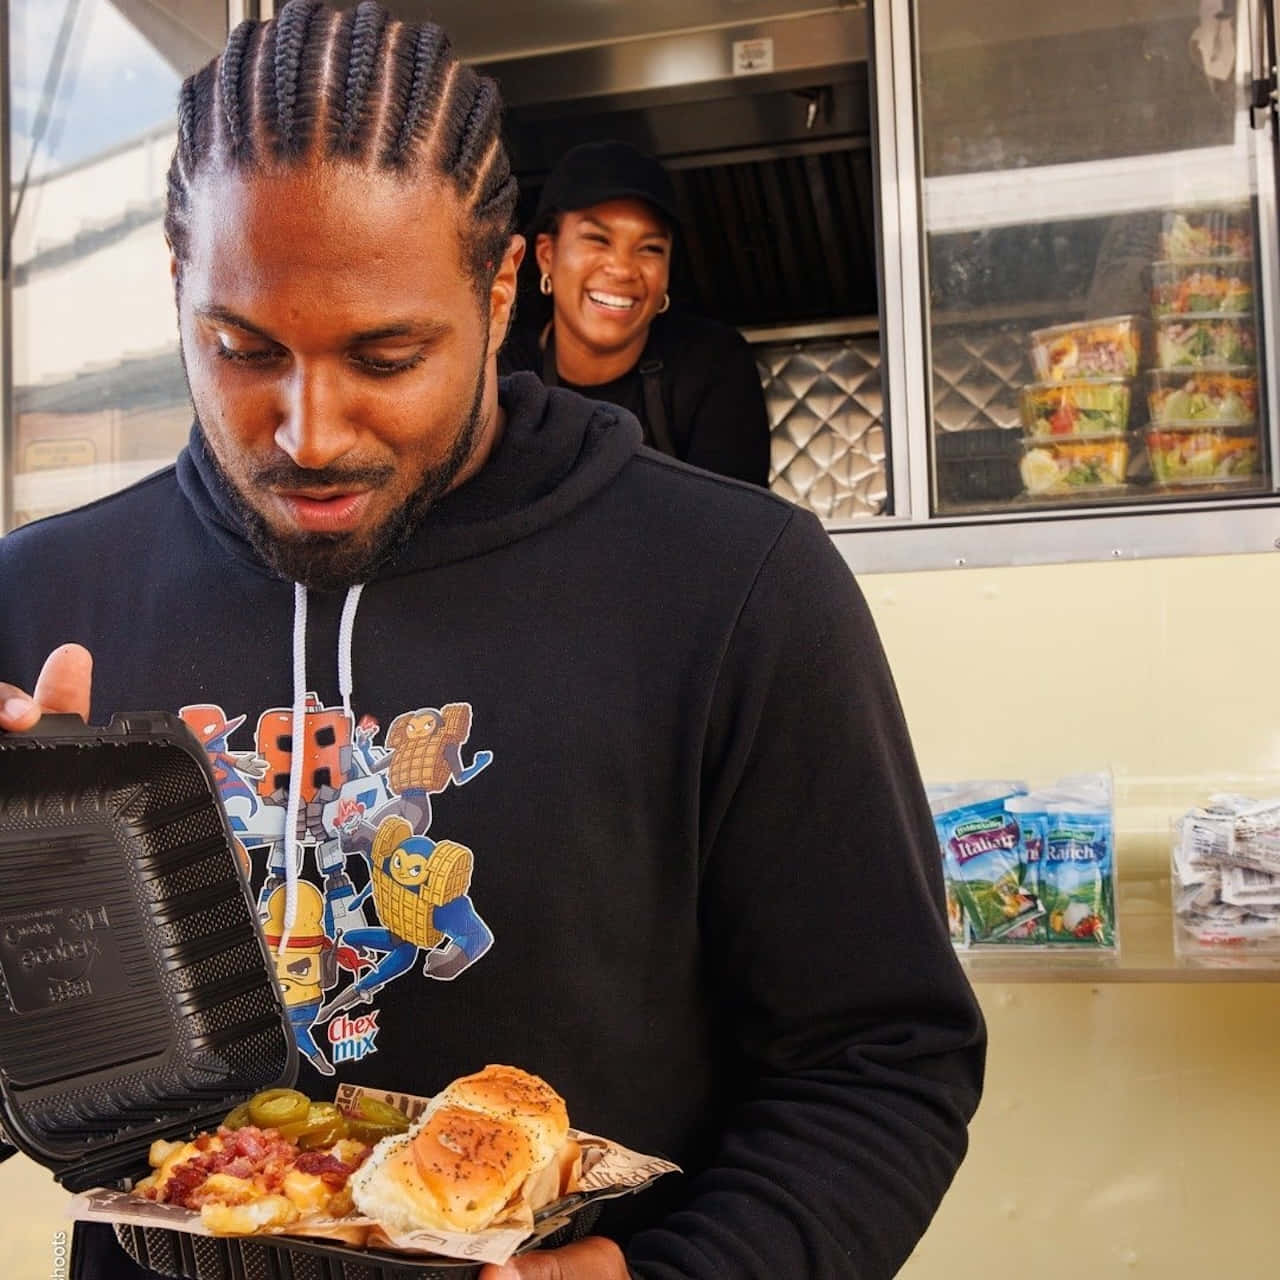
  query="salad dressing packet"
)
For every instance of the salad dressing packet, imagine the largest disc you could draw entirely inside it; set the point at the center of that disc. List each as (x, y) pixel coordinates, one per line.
(1076, 881)
(982, 845)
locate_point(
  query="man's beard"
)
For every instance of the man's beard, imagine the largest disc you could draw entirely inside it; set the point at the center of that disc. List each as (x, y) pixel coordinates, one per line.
(334, 561)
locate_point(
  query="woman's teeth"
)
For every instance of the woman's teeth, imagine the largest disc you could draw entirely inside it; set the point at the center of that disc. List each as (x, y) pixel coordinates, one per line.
(614, 301)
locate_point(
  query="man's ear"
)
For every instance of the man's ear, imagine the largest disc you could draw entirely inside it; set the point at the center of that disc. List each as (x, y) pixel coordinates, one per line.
(502, 292)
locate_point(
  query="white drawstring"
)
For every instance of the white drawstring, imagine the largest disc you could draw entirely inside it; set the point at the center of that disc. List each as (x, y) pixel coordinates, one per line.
(297, 752)
(297, 755)
(345, 628)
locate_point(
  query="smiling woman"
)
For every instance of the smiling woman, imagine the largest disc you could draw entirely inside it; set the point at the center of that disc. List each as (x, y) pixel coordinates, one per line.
(603, 236)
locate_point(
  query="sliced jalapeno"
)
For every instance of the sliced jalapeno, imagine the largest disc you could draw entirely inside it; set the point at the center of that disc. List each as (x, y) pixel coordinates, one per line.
(276, 1108)
(374, 1120)
(324, 1126)
(237, 1117)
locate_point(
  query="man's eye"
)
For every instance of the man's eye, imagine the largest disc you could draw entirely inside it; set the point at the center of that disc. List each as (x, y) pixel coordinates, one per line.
(375, 363)
(228, 351)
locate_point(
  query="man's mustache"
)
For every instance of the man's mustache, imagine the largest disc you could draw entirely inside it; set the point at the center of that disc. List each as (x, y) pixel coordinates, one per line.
(288, 475)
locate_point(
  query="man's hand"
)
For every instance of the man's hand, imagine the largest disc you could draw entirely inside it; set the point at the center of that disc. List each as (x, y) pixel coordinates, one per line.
(63, 686)
(593, 1258)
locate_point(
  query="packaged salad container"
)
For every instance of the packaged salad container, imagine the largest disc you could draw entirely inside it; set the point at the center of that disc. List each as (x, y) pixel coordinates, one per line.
(138, 999)
(1080, 407)
(1074, 465)
(1192, 453)
(1211, 231)
(1222, 286)
(1110, 348)
(1227, 397)
(1205, 342)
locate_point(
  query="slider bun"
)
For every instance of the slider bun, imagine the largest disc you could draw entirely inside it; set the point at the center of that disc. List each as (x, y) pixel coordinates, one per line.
(457, 1172)
(515, 1096)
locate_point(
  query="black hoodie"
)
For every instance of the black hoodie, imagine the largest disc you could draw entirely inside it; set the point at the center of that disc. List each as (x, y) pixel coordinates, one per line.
(702, 896)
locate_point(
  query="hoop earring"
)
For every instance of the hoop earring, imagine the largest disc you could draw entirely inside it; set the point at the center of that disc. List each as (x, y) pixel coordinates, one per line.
(666, 303)
(545, 285)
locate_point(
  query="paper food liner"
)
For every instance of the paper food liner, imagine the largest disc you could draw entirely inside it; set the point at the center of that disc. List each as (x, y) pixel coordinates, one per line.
(608, 1170)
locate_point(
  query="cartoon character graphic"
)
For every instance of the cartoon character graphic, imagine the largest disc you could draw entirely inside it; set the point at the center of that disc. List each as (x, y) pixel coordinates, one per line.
(306, 968)
(421, 889)
(231, 769)
(331, 781)
(424, 754)
(363, 811)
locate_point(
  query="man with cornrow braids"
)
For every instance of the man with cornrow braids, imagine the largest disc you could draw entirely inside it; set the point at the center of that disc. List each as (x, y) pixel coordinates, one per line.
(699, 842)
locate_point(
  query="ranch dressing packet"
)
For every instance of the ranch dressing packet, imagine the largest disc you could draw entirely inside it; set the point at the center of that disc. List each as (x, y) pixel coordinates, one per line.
(1072, 840)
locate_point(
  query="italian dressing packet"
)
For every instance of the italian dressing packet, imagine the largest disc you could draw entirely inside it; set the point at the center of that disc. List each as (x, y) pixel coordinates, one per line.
(982, 847)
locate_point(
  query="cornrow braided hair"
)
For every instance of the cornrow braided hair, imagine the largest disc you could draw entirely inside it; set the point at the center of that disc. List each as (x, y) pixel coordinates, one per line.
(314, 84)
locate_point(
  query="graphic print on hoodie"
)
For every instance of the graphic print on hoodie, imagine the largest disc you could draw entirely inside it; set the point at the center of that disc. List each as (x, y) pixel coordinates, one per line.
(362, 808)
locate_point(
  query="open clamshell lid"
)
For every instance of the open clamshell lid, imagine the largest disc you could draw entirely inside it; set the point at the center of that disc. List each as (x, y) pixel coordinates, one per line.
(137, 996)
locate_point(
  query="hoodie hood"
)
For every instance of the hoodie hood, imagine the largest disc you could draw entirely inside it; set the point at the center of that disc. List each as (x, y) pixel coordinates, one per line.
(557, 450)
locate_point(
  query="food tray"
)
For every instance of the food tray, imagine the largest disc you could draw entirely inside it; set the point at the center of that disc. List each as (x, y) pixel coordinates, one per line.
(137, 997)
(1210, 286)
(1078, 407)
(1205, 342)
(178, 1253)
(1107, 348)
(1207, 231)
(1051, 468)
(1196, 454)
(1222, 397)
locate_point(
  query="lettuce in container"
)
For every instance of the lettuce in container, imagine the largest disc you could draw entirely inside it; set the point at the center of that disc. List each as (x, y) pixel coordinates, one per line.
(1228, 397)
(1205, 342)
(1065, 466)
(1222, 286)
(1200, 454)
(1079, 407)
(1210, 231)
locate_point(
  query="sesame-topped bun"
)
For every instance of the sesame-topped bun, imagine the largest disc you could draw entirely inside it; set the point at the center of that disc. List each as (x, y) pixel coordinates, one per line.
(507, 1093)
(456, 1173)
(490, 1149)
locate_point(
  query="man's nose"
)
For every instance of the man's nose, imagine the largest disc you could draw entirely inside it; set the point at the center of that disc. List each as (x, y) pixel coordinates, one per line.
(315, 429)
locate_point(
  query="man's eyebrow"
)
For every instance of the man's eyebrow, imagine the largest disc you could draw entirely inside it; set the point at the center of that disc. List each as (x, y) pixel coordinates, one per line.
(226, 316)
(428, 330)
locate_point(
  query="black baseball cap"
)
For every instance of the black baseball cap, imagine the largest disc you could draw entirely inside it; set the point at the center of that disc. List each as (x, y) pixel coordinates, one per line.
(595, 172)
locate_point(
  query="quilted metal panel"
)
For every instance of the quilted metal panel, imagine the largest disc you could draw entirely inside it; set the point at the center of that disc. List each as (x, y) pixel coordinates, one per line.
(977, 374)
(826, 415)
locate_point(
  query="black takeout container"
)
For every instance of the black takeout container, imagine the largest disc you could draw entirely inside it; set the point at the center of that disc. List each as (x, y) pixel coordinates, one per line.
(137, 996)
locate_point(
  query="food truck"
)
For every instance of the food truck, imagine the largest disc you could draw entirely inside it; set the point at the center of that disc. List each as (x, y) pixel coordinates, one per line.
(1011, 275)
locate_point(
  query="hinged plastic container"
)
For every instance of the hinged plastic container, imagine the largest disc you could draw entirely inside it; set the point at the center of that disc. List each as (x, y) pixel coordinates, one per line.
(137, 997)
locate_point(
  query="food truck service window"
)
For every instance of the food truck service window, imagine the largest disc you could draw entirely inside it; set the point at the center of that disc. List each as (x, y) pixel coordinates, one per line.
(1009, 272)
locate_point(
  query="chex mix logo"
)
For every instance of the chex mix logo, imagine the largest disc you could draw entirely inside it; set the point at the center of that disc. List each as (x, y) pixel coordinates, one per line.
(352, 1038)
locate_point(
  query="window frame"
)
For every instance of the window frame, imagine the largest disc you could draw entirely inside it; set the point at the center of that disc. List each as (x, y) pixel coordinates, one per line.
(916, 536)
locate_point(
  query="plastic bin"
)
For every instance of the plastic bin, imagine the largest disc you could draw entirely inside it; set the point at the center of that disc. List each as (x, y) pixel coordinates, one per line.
(1221, 286)
(1205, 342)
(1107, 348)
(1078, 465)
(1227, 397)
(1082, 407)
